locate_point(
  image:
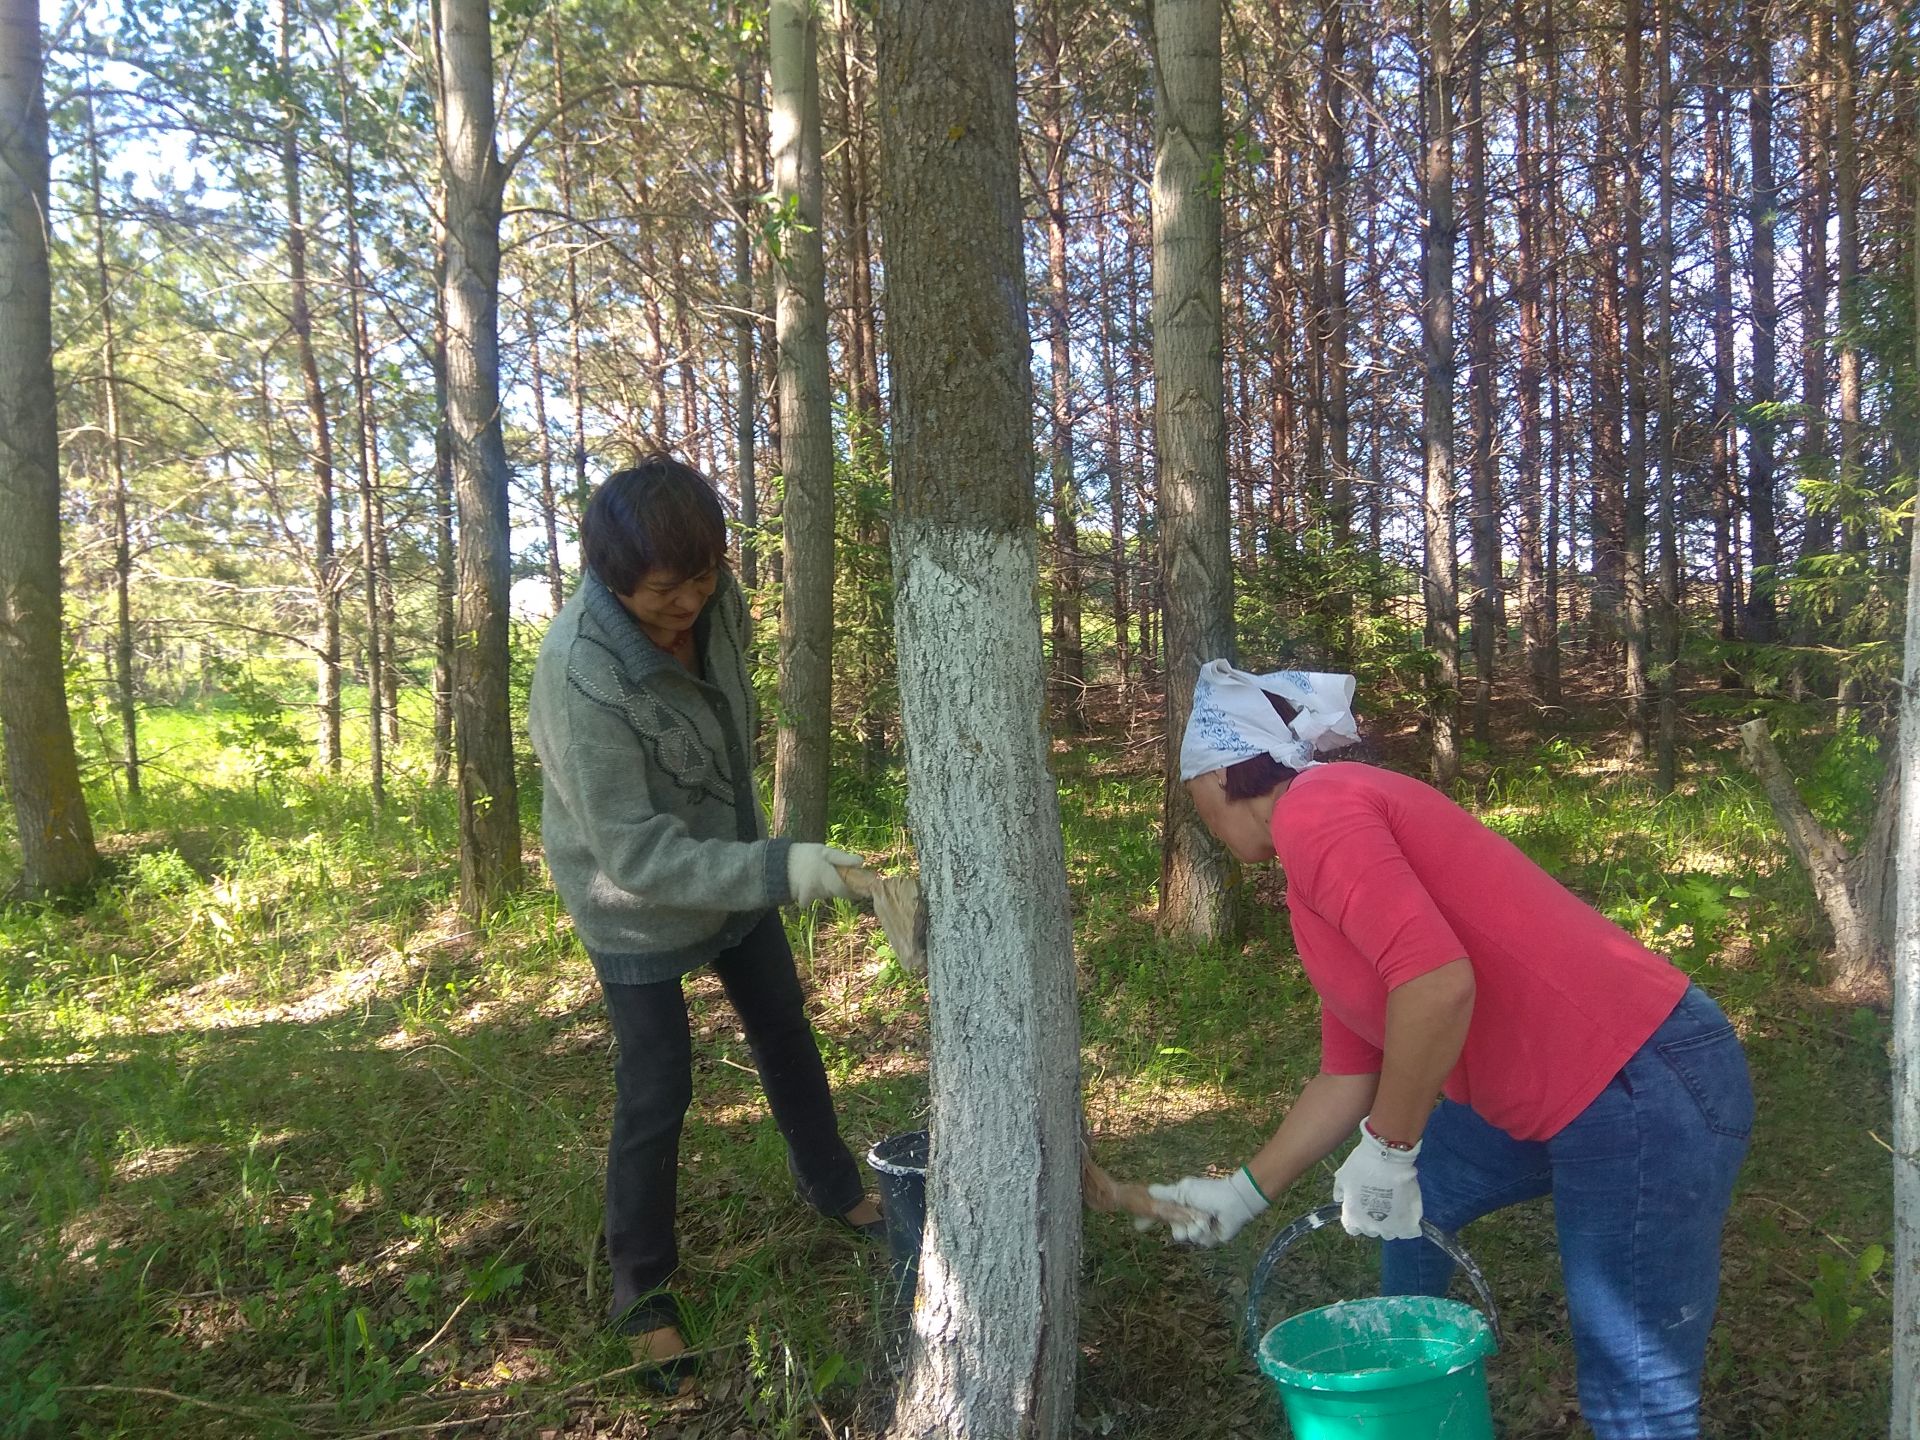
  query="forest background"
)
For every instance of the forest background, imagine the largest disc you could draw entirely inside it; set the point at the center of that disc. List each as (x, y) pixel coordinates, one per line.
(301, 1100)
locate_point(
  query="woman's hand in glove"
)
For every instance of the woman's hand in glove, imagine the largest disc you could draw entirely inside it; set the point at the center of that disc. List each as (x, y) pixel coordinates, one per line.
(811, 874)
(1378, 1189)
(1220, 1207)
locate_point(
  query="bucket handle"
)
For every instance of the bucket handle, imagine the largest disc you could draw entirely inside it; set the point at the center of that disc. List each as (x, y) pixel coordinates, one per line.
(1330, 1215)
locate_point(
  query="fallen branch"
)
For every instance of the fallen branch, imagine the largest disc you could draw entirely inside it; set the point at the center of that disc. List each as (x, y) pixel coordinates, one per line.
(1858, 966)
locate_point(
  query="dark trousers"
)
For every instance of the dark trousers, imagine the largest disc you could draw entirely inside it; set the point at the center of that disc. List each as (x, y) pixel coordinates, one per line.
(653, 1079)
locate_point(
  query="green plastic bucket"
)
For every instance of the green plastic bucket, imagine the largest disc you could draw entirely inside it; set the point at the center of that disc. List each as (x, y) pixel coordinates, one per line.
(1399, 1367)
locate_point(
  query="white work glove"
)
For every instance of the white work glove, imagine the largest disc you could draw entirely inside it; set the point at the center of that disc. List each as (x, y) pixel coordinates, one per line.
(1378, 1190)
(810, 872)
(1220, 1207)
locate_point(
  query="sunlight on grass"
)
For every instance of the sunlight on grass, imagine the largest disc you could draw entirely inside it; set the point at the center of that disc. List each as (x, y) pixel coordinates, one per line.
(276, 1122)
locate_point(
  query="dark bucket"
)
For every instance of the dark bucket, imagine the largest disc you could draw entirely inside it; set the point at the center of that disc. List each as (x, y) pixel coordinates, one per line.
(900, 1162)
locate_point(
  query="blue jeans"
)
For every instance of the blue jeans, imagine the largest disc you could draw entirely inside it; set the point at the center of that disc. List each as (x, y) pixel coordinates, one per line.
(1641, 1180)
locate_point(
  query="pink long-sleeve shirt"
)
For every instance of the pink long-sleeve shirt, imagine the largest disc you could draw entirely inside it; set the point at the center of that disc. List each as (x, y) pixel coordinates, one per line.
(1388, 879)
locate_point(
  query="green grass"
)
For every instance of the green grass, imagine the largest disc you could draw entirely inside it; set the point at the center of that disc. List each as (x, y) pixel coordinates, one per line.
(287, 1149)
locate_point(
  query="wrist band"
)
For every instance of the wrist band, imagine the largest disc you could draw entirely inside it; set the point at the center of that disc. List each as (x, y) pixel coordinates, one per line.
(1256, 1185)
(1402, 1146)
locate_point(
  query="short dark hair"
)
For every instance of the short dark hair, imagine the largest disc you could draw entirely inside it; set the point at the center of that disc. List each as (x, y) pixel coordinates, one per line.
(659, 515)
(1261, 774)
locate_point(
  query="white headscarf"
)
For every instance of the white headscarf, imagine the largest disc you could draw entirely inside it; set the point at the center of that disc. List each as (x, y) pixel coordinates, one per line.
(1232, 719)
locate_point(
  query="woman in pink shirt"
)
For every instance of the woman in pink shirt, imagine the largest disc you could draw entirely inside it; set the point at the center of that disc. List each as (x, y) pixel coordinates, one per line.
(1565, 1057)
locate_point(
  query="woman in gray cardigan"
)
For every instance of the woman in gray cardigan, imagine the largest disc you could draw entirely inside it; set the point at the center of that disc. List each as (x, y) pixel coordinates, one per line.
(642, 713)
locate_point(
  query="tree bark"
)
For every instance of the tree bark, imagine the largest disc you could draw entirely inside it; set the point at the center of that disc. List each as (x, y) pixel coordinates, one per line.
(300, 322)
(1726, 484)
(543, 448)
(1335, 178)
(1905, 1412)
(1763, 201)
(1815, 115)
(802, 750)
(994, 1345)
(1069, 660)
(1484, 527)
(576, 381)
(1633, 306)
(1846, 197)
(1441, 583)
(43, 771)
(367, 452)
(746, 392)
(446, 584)
(1668, 648)
(1526, 284)
(490, 864)
(1198, 881)
(123, 649)
(1115, 468)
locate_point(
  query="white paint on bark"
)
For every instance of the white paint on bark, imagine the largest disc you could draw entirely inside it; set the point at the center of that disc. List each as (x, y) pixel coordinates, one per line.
(994, 1328)
(1906, 1040)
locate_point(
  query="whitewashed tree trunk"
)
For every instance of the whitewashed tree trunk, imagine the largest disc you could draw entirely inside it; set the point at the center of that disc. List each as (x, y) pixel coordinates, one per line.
(1197, 879)
(801, 752)
(1906, 999)
(482, 716)
(995, 1327)
(43, 774)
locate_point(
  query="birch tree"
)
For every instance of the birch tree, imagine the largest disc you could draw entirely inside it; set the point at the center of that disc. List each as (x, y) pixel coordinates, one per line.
(482, 718)
(805, 737)
(43, 773)
(994, 1330)
(1196, 875)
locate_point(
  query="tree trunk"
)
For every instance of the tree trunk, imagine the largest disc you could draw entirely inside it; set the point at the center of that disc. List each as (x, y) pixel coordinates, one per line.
(367, 452)
(1905, 1422)
(1764, 543)
(576, 383)
(446, 585)
(1485, 524)
(803, 748)
(43, 771)
(995, 1341)
(1441, 584)
(1719, 201)
(300, 322)
(543, 446)
(1115, 468)
(1846, 198)
(1069, 660)
(1556, 327)
(1198, 882)
(746, 393)
(1816, 293)
(1526, 285)
(483, 721)
(1668, 650)
(1335, 180)
(1604, 340)
(123, 651)
(1633, 306)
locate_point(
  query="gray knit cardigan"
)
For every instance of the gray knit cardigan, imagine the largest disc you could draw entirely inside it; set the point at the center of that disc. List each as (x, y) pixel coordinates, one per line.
(653, 830)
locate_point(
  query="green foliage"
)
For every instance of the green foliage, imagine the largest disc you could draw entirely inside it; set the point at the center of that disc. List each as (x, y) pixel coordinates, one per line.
(254, 722)
(1310, 603)
(1838, 1285)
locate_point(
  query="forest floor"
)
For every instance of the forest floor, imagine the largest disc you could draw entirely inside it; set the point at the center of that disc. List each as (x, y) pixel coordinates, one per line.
(288, 1149)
